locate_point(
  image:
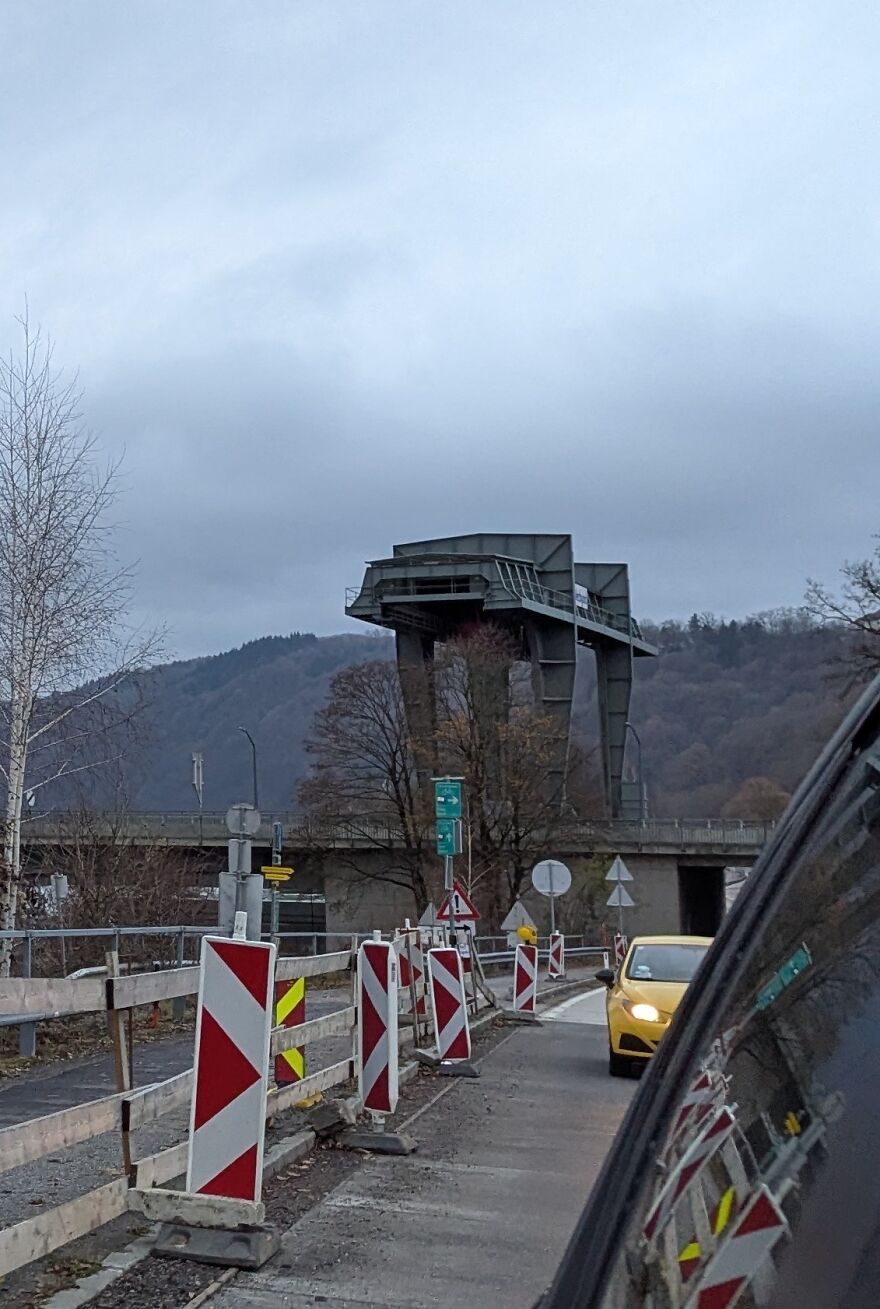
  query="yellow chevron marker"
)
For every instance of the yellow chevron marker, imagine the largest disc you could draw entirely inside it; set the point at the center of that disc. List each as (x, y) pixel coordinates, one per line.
(290, 1065)
(721, 1217)
(294, 995)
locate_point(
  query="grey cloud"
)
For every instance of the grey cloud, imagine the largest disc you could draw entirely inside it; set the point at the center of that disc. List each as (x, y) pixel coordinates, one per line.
(339, 275)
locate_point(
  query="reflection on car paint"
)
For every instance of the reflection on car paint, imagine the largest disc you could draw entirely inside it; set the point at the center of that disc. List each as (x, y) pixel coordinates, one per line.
(800, 960)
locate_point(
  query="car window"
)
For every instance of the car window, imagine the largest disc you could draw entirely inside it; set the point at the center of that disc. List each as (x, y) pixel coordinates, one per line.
(664, 963)
(757, 1183)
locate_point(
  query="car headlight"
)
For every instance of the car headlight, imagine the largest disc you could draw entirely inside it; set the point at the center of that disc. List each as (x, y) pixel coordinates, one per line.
(644, 1013)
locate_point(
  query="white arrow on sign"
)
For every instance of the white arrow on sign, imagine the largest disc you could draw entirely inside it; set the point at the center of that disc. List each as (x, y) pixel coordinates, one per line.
(618, 872)
(621, 897)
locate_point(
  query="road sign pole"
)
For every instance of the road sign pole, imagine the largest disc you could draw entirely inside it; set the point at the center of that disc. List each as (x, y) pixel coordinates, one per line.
(552, 897)
(448, 886)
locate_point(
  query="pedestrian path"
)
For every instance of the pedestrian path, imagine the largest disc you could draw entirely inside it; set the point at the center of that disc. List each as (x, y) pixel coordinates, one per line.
(482, 1213)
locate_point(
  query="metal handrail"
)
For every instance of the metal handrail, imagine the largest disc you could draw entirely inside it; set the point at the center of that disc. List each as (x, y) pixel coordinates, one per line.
(734, 831)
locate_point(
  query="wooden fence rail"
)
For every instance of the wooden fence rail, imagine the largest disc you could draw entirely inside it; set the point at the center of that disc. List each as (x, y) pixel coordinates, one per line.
(126, 1111)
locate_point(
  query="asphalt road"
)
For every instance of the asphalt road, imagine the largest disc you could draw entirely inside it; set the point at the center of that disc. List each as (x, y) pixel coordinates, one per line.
(482, 1212)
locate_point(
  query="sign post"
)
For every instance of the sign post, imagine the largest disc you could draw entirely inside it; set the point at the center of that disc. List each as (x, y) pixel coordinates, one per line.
(241, 889)
(618, 873)
(447, 813)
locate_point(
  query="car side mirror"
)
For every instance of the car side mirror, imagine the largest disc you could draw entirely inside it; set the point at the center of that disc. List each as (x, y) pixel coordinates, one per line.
(606, 976)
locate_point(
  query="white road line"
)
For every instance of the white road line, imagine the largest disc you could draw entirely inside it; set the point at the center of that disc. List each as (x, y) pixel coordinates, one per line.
(591, 1009)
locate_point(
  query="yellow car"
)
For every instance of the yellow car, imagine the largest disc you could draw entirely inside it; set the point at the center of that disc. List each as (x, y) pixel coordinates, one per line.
(645, 993)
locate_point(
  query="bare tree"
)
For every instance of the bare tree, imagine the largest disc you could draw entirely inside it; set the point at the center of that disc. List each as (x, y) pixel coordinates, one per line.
(488, 731)
(63, 594)
(364, 772)
(856, 610)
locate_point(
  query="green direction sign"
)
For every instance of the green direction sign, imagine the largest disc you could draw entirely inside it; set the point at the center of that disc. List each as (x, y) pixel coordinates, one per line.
(447, 799)
(448, 836)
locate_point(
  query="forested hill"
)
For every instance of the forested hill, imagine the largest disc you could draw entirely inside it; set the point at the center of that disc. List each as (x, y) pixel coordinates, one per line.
(729, 702)
(724, 703)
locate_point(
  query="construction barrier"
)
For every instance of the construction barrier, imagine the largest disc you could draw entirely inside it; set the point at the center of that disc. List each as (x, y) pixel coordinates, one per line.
(692, 1161)
(231, 1069)
(556, 962)
(621, 945)
(449, 1003)
(525, 979)
(739, 1258)
(377, 1026)
(290, 1011)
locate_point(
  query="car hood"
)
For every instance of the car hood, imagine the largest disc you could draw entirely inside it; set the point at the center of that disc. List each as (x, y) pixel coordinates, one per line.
(662, 995)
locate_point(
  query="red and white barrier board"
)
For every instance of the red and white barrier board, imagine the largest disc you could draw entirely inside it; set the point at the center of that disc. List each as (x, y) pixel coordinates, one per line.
(621, 945)
(377, 1026)
(692, 1161)
(556, 965)
(737, 1260)
(449, 1003)
(525, 979)
(231, 1070)
(412, 966)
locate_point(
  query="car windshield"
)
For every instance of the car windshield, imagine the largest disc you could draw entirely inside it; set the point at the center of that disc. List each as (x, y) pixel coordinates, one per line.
(664, 963)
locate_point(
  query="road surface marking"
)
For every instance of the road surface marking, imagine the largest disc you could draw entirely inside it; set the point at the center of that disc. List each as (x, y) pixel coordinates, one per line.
(589, 1008)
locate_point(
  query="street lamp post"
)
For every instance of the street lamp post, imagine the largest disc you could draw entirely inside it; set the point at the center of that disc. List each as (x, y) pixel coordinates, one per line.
(254, 754)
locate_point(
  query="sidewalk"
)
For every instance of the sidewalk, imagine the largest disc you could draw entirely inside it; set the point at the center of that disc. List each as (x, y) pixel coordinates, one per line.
(482, 1213)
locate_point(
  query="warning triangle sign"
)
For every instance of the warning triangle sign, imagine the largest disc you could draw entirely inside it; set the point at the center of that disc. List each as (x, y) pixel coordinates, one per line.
(618, 872)
(621, 897)
(465, 910)
(429, 917)
(519, 916)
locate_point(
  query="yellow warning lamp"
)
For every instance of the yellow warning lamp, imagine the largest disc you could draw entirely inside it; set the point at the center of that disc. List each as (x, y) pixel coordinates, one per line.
(792, 1124)
(527, 935)
(274, 873)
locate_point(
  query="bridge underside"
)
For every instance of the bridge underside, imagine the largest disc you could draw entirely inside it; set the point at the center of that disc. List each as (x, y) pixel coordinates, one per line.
(531, 586)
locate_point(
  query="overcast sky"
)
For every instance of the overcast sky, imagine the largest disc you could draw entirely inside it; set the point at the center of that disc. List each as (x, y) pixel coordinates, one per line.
(339, 274)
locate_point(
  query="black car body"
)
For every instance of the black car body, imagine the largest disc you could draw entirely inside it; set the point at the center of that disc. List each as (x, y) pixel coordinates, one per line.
(746, 1171)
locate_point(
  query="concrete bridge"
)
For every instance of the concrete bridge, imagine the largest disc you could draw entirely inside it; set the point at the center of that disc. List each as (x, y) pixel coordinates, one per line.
(678, 865)
(717, 837)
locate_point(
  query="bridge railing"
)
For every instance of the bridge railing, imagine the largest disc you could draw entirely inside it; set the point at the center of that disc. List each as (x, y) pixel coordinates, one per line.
(187, 827)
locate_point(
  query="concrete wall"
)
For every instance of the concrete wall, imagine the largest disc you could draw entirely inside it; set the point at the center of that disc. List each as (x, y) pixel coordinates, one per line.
(361, 904)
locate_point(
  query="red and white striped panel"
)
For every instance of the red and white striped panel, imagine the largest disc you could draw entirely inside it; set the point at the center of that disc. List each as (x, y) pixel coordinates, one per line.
(621, 945)
(449, 1003)
(737, 1260)
(412, 965)
(525, 979)
(377, 1026)
(704, 1096)
(684, 1172)
(231, 1068)
(416, 962)
(556, 965)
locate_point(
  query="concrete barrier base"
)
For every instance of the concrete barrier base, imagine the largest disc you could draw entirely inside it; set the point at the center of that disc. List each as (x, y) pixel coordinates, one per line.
(378, 1142)
(217, 1245)
(457, 1068)
(430, 1058)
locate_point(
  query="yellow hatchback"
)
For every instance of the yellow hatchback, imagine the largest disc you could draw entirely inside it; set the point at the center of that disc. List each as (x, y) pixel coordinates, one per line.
(645, 993)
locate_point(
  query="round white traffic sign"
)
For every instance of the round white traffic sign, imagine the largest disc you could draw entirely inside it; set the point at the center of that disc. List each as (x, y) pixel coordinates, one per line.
(551, 877)
(243, 818)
